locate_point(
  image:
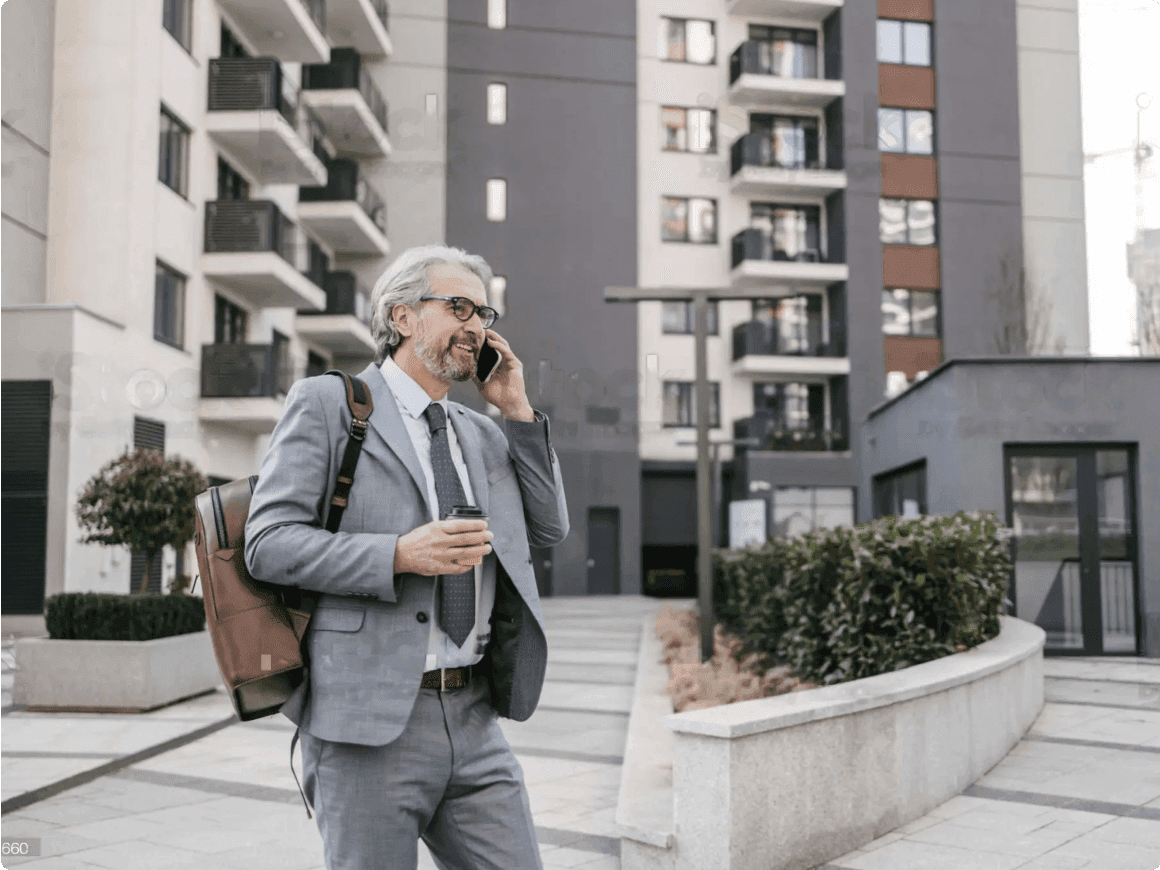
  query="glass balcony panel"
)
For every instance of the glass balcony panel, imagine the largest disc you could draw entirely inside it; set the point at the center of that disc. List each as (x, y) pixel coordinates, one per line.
(244, 371)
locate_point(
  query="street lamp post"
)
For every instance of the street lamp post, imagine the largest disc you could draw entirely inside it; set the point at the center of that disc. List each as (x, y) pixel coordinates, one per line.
(700, 297)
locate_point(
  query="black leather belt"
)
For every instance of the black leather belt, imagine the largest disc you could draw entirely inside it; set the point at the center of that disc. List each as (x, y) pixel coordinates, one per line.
(446, 678)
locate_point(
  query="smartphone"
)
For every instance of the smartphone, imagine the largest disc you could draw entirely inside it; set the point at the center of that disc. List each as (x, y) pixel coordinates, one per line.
(487, 362)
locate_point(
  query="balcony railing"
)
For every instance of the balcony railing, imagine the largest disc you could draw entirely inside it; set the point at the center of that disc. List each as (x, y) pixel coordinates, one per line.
(759, 339)
(344, 295)
(755, 244)
(757, 149)
(791, 60)
(256, 84)
(773, 434)
(244, 371)
(345, 71)
(345, 183)
(252, 226)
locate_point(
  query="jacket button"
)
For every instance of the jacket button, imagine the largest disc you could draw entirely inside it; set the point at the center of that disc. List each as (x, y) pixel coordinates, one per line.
(421, 616)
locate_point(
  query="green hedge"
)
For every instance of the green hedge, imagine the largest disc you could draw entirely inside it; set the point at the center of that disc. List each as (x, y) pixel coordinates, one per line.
(842, 604)
(103, 616)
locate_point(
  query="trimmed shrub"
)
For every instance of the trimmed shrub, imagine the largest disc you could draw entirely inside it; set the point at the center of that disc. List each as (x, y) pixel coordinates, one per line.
(842, 604)
(104, 616)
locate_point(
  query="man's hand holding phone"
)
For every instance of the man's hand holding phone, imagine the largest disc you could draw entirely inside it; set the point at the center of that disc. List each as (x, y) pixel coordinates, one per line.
(503, 384)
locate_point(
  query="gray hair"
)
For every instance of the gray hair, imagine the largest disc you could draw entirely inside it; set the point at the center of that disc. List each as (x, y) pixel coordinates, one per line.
(407, 279)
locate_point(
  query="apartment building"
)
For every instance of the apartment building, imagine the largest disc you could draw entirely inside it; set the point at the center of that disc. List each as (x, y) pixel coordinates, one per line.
(194, 207)
(197, 198)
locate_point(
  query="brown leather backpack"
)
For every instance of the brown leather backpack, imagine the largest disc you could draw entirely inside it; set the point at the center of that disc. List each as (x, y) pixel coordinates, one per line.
(257, 627)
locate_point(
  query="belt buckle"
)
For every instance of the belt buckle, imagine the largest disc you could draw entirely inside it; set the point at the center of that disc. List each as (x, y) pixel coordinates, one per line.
(442, 680)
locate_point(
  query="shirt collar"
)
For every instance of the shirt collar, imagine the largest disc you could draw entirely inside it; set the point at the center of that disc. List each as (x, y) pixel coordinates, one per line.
(412, 397)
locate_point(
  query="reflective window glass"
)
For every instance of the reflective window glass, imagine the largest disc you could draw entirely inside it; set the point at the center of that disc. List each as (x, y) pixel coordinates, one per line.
(919, 132)
(924, 313)
(674, 131)
(916, 43)
(702, 45)
(896, 312)
(892, 221)
(920, 222)
(889, 41)
(890, 130)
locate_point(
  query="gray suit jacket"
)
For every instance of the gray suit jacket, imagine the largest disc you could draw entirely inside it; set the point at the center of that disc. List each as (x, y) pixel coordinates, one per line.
(367, 641)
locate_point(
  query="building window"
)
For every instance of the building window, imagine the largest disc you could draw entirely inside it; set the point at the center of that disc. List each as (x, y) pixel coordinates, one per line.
(175, 17)
(283, 363)
(906, 221)
(905, 42)
(497, 14)
(230, 45)
(785, 51)
(496, 200)
(901, 493)
(677, 317)
(680, 406)
(496, 103)
(691, 130)
(797, 407)
(801, 509)
(169, 306)
(911, 312)
(794, 322)
(906, 131)
(688, 40)
(315, 364)
(173, 159)
(229, 322)
(497, 294)
(230, 184)
(793, 140)
(689, 219)
(791, 232)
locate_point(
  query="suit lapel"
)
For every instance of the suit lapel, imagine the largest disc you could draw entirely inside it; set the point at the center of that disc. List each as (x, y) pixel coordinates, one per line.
(472, 454)
(388, 422)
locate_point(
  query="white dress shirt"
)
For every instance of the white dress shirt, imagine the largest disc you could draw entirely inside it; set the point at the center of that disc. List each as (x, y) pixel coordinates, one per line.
(413, 400)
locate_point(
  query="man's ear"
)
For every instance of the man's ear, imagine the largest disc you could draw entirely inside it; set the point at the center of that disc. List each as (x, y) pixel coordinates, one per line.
(404, 318)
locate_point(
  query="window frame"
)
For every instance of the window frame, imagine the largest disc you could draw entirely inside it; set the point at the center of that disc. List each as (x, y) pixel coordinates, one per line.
(662, 37)
(902, 26)
(237, 319)
(688, 200)
(907, 221)
(812, 489)
(906, 113)
(690, 318)
(176, 282)
(686, 391)
(170, 129)
(713, 146)
(184, 39)
(910, 320)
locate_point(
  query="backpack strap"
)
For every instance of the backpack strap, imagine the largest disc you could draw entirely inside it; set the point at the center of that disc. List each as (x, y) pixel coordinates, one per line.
(358, 398)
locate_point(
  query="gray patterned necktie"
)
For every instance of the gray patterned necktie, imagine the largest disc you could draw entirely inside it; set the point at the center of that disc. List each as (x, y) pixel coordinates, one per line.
(457, 591)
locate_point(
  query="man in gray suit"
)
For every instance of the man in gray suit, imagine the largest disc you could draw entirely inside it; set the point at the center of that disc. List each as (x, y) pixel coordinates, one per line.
(426, 629)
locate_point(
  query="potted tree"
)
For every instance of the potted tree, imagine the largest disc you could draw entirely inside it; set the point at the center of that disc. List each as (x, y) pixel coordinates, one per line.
(124, 652)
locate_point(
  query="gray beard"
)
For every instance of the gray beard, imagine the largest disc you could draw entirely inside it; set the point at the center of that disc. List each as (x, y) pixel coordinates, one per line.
(442, 367)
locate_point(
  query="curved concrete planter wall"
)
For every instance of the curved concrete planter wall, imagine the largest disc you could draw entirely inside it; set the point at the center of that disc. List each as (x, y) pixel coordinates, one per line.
(107, 675)
(793, 781)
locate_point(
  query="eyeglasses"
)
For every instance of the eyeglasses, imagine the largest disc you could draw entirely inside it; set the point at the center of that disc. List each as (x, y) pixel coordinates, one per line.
(464, 308)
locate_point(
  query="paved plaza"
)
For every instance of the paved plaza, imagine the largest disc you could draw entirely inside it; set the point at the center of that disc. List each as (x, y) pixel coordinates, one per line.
(187, 786)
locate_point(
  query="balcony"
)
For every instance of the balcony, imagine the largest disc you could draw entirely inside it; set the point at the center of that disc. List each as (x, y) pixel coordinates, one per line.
(348, 104)
(344, 327)
(760, 350)
(256, 116)
(256, 251)
(773, 434)
(286, 29)
(756, 172)
(347, 214)
(243, 386)
(758, 263)
(361, 24)
(814, 11)
(753, 81)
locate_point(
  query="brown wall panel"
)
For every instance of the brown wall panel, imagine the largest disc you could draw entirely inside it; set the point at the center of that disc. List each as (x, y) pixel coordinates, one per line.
(911, 10)
(911, 266)
(913, 176)
(905, 87)
(912, 355)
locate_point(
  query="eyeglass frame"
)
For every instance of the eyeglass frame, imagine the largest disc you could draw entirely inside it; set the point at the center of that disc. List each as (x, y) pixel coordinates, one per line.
(474, 309)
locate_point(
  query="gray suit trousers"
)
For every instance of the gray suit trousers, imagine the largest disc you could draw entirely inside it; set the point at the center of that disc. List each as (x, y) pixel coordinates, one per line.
(450, 778)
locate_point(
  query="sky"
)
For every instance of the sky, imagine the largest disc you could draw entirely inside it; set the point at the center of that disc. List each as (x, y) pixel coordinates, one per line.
(1119, 59)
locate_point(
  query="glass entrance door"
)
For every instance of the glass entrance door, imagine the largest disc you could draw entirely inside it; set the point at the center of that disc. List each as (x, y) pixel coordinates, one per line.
(1074, 549)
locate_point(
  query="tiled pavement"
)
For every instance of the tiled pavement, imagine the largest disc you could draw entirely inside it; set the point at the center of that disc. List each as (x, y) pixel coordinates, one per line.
(1080, 792)
(227, 799)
